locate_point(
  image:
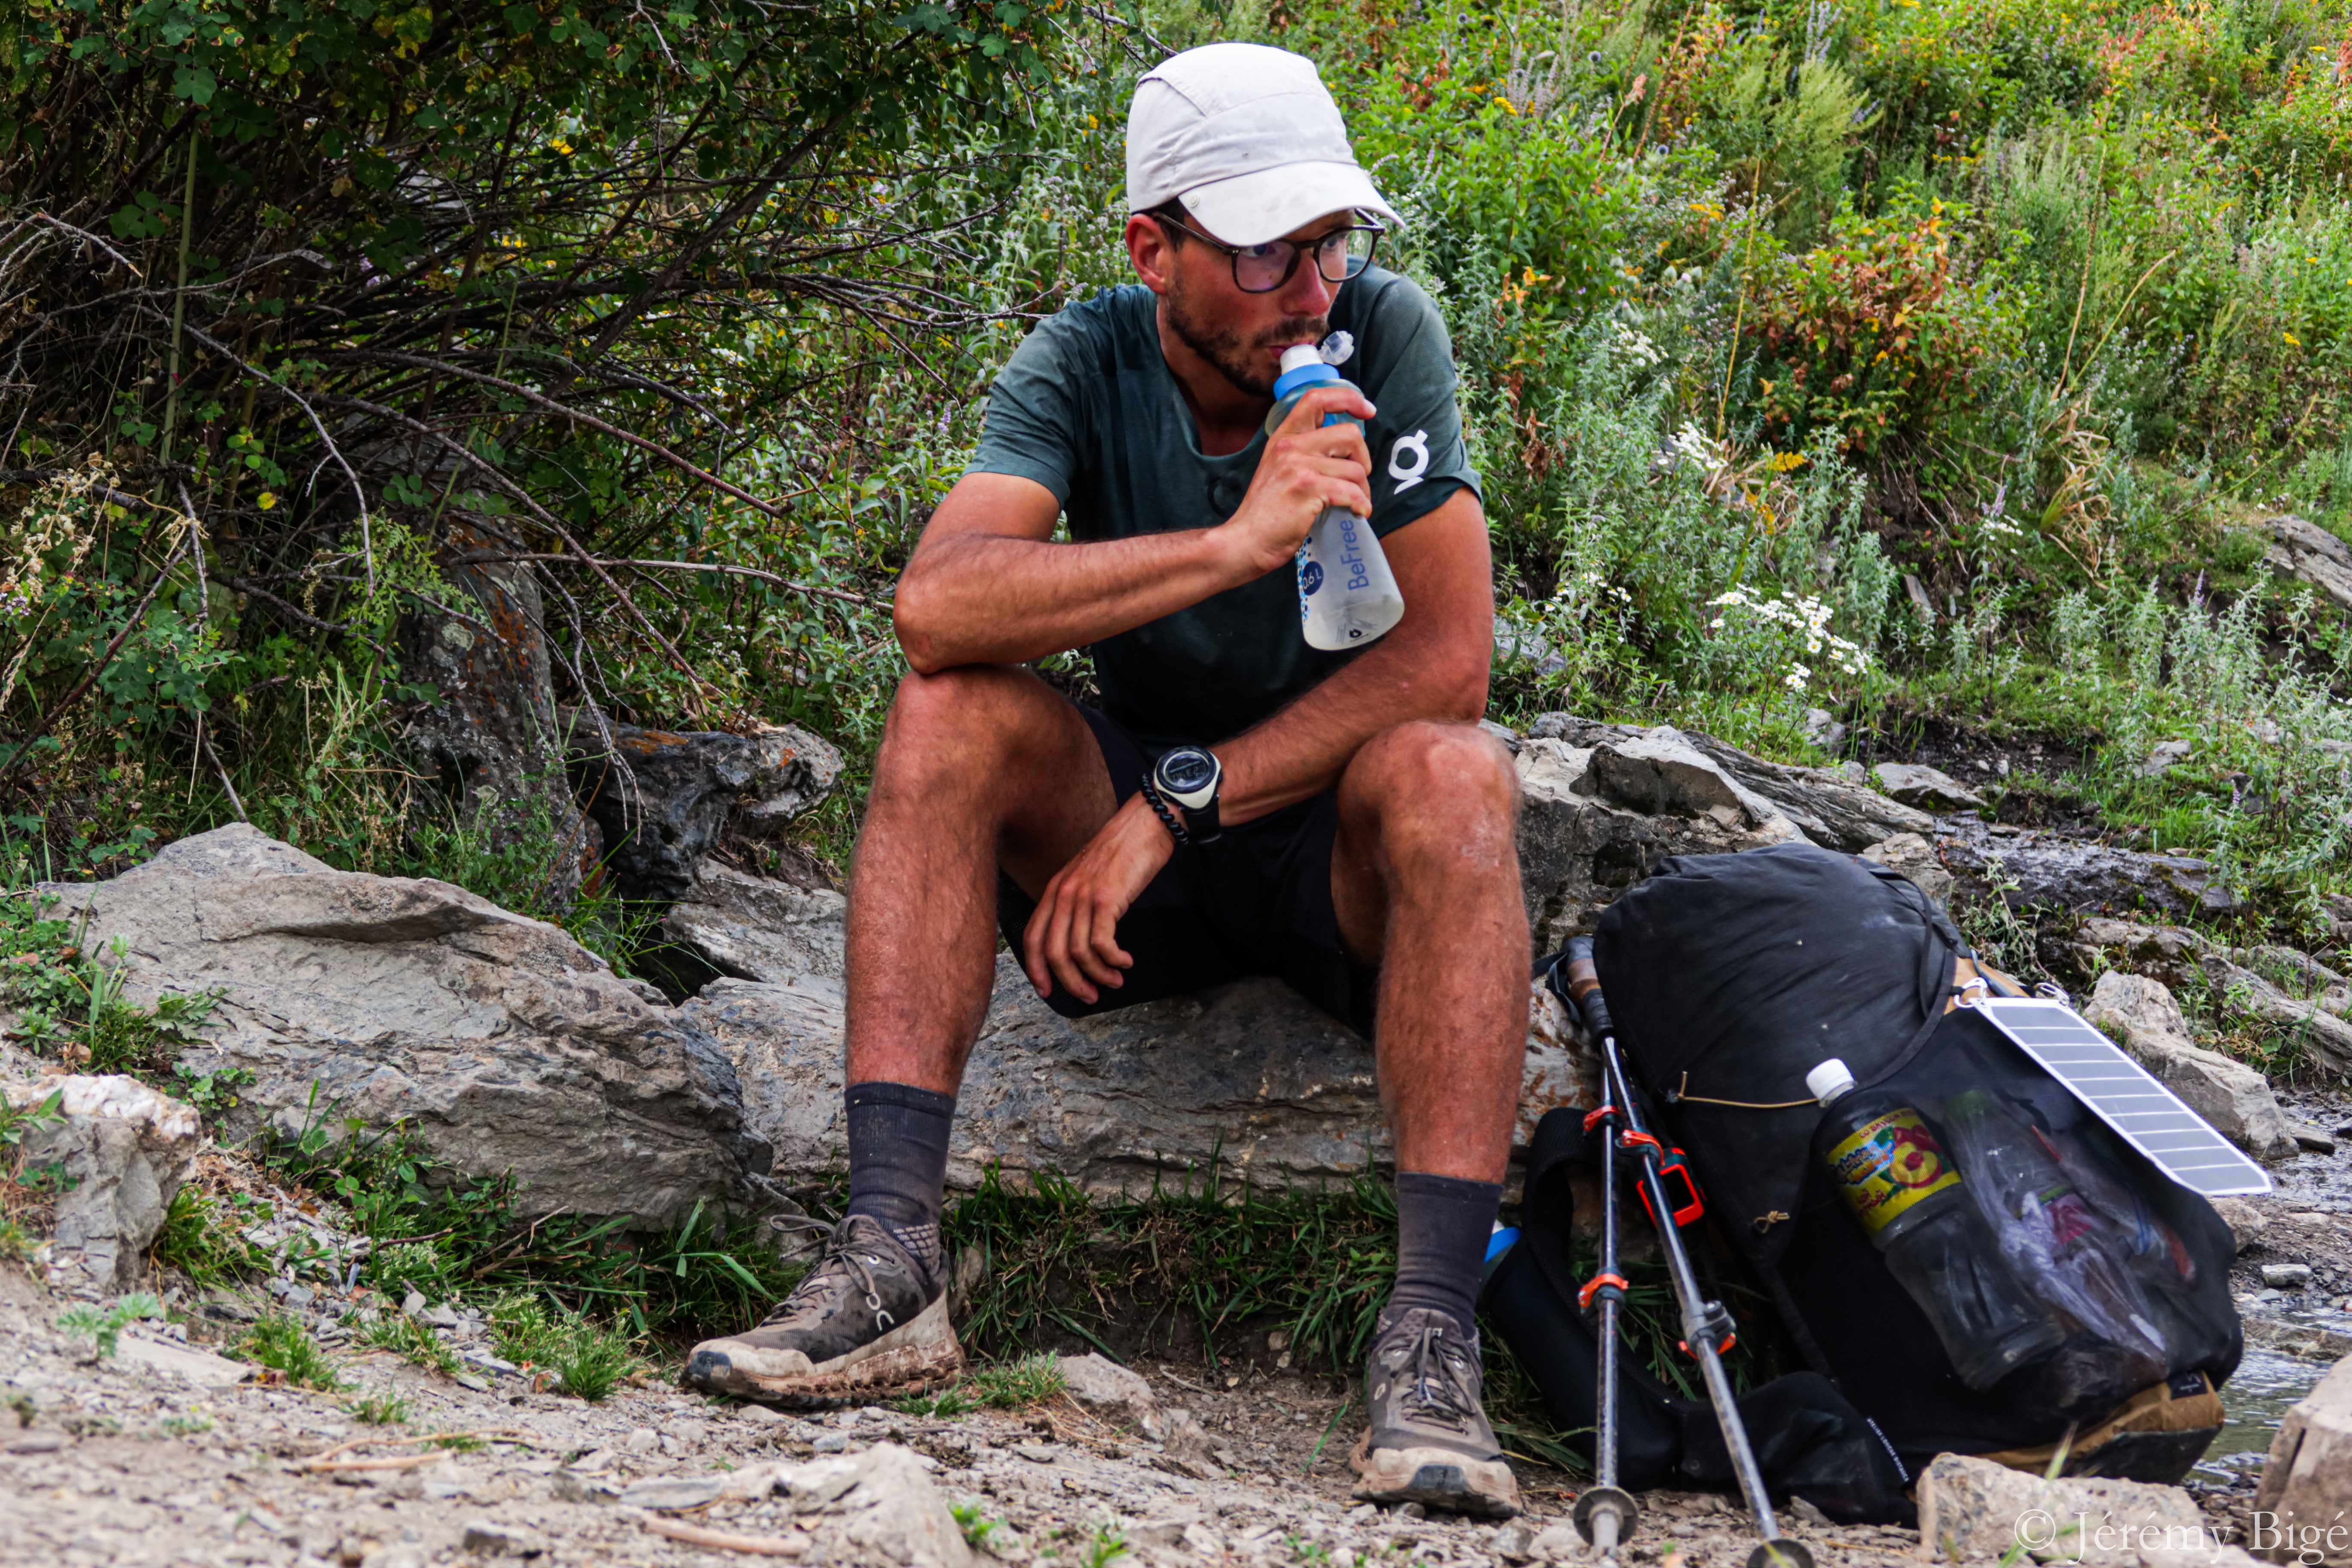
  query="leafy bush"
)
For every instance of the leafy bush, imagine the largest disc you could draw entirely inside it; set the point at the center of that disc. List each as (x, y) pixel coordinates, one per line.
(1877, 333)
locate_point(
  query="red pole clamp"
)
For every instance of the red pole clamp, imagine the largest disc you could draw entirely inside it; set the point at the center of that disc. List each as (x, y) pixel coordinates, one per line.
(1594, 1119)
(1592, 1287)
(1689, 1206)
(1722, 1349)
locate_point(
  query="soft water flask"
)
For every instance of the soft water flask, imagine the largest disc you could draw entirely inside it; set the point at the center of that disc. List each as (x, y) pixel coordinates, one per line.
(1347, 594)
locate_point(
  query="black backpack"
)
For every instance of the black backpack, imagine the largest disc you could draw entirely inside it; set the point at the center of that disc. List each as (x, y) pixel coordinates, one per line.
(1729, 976)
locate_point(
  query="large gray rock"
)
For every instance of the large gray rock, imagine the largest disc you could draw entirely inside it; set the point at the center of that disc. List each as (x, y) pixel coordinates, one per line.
(662, 796)
(877, 1508)
(123, 1150)
(758, 928)
(2048, 868)
(2173, 954)
(1248, 1079)
(1914, 857)
(2325, 1036)
(1974, 1511)
(2180, 957)
(499, 1041)
(2305, 1498)
(2308, 552)
(1835, 810)
(2231, 1095)
(1929, 789)
(1830, 807)
(1594, 820)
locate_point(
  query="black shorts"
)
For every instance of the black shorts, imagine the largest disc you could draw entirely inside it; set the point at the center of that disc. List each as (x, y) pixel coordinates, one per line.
(1258, 901)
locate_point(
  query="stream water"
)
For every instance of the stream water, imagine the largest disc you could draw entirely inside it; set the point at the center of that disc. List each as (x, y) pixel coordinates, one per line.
(2267, 1380)
(2256, 1398)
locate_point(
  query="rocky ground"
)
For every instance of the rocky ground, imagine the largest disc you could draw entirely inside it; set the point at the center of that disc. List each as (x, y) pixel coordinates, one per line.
(122, 1461)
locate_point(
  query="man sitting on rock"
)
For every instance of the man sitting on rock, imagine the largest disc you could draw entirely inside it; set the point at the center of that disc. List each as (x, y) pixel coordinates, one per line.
(1337, 819)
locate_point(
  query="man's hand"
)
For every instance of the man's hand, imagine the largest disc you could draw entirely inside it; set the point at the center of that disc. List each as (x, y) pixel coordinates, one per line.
(1073, 936)
(1305, 467)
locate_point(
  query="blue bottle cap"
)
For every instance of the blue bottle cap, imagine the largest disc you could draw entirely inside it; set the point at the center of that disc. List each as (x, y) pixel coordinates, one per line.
(1298, 378)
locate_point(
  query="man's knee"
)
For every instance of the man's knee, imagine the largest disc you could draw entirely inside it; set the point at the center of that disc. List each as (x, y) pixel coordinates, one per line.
(1437, 799)
(969, 717)
(1425, 767)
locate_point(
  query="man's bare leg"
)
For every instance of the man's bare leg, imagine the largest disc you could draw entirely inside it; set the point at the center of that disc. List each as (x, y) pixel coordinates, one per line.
(1426, 879)
(979, 766)
(1425, 874)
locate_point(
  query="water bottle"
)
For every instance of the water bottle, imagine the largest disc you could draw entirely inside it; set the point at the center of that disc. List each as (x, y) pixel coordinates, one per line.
(1906, 1193)
(1347, 594)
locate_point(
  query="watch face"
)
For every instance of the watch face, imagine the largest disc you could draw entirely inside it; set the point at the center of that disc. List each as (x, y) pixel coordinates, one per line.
(1189, 774)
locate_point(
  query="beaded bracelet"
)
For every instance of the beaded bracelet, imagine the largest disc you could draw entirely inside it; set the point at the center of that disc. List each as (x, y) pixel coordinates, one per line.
(1174, 823)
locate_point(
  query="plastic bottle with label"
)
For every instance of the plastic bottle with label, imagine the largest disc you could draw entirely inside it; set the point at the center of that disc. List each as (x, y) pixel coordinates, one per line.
(1906, 1192)
(1347, 594)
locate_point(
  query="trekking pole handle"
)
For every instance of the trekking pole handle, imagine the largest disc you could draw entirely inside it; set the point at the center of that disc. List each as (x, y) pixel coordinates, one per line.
(1584, 986)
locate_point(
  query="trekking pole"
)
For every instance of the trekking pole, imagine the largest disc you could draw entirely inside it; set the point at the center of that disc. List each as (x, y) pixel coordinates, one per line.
(1707, 1325)
(1606, 1512)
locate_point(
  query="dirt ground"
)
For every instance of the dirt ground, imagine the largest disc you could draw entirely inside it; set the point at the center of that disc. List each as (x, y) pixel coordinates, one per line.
(103, 1463)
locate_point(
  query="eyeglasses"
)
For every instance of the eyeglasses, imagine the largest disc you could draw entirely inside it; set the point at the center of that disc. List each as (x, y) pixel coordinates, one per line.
(1263, 268)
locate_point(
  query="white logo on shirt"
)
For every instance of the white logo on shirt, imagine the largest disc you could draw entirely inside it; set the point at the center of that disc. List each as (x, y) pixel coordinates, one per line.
(1408, 460)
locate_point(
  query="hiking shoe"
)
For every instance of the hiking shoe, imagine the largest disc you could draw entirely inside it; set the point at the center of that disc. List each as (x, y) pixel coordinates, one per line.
(868, 1319)
(1430, 1441)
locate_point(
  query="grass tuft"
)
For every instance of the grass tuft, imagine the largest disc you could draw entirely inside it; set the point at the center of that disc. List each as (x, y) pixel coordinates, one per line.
(587, 1357)
(104, 1327)
(405, 1337)
(380, 1409)
(282, 1344)
(1006, 1385)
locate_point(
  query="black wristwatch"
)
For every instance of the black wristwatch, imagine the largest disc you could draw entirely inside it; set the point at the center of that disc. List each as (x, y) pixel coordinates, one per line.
(1186, 779)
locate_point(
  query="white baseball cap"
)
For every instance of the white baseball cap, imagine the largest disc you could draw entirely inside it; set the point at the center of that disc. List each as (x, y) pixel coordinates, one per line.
(1248, 139)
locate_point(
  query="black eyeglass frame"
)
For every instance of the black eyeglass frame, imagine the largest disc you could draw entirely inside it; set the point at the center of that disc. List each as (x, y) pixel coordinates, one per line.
(1233, 252)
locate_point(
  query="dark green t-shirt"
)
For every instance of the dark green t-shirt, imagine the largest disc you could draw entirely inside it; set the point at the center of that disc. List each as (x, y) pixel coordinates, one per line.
(1089, 408)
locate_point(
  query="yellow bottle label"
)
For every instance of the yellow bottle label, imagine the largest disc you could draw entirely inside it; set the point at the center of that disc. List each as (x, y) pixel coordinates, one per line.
(1889, 1164)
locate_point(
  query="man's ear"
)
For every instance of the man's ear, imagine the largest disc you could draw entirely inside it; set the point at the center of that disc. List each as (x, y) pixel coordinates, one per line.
(1154, 255)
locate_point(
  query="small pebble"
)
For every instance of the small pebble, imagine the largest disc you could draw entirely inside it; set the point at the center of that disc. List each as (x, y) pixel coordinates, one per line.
(641, 1441)
(832, 1443)
(2286, 1276)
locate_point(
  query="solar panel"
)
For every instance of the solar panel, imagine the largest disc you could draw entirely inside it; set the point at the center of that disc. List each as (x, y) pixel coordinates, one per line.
(2121, 1093)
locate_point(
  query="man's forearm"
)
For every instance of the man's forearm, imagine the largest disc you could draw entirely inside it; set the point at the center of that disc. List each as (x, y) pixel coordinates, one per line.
(990, 598)
(1304, 748)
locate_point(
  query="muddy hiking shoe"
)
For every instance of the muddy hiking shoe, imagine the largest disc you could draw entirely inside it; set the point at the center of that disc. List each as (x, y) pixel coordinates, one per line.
(1430, 1441)
(868, 1319)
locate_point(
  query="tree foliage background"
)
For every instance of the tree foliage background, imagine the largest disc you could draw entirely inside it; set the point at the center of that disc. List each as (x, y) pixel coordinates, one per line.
(1878, 356)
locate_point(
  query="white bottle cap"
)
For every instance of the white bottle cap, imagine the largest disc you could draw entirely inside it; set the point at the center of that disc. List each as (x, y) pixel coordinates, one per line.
(1829, 1080)
(1297, 355)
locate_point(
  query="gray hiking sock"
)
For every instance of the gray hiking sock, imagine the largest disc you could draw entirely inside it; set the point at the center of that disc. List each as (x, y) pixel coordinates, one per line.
(1443, 1224)
(898, 1161)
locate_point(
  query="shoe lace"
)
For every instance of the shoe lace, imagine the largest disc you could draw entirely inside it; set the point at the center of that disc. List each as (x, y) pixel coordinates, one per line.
(839, 1258)
(1437, 1386)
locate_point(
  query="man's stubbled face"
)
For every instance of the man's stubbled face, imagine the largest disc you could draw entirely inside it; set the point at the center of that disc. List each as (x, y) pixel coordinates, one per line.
(1213, 321)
